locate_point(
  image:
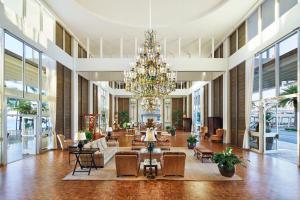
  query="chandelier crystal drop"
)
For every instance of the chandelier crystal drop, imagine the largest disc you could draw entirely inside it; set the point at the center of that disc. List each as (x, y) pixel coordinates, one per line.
(150, 76)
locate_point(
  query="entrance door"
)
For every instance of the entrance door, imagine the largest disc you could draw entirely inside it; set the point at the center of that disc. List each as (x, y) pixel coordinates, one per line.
(21, 129)
(270, 126)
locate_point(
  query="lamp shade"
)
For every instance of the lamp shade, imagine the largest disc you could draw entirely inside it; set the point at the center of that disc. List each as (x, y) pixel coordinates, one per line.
(109, 129)
(150, 136)
(81, 136)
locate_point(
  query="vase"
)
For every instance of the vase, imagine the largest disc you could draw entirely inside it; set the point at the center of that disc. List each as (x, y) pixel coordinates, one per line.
(225, 171)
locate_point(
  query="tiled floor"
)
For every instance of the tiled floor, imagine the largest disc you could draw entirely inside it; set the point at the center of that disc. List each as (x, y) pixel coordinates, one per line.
(39, 177)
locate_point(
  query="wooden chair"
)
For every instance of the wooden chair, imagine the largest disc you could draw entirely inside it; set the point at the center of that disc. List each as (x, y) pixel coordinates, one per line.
(64, 143)
(218, 137)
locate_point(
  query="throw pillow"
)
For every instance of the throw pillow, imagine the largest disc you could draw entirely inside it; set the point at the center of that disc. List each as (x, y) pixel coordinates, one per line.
(100, 145)
(103, 142)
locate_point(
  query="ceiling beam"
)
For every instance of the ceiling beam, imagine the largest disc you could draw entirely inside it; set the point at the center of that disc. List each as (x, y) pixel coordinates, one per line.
(177, 64)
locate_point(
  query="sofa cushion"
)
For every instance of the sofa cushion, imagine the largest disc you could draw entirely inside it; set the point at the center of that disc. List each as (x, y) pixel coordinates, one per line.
(99, 145)
(94, 145)
(103, 142)
(87, 146)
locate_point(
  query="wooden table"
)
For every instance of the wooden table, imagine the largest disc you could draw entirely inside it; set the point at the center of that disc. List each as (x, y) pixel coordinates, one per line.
(89, 152)
(203, 153)
(146, 164)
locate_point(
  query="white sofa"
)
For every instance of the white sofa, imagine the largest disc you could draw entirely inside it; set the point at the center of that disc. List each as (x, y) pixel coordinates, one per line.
(106, 151)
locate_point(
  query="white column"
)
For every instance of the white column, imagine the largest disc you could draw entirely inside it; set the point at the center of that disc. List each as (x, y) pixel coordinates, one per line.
(188, 114)
(226, 107)
(199, 47)
(121, 47)
(101, 47)
(74, 92)
(212, 47)
(88, 47)
(90, 99)
(179, 47)
(165, 47)
(113, 108)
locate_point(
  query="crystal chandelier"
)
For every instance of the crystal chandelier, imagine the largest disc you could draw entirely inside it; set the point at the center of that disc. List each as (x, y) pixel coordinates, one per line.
(150, 104)
(150, 76)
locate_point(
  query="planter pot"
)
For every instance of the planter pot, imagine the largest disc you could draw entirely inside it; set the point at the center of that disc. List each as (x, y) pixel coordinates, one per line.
(225, 171)
(173, 133)
(191, 145)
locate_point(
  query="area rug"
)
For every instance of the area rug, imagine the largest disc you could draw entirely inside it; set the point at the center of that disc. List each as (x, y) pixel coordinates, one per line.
(194, 171)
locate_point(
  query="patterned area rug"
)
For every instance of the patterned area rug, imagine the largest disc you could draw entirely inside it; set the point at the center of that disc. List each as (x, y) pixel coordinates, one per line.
(194, 171)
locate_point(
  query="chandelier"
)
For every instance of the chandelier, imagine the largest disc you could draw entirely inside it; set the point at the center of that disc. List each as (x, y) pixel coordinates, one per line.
(150, 104)
(150, 76)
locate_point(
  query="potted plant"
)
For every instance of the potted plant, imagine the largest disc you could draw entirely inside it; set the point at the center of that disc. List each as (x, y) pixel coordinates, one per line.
(192, 140)
(226, 161)
(173, 131)
(88, 135)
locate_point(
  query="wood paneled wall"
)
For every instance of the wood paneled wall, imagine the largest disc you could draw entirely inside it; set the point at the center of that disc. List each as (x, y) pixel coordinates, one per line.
(95, 99)
(206, 105)
(123, 105)
(63, 101)
(237, 104)
(218, 97)
(83, 100)
(177, 105)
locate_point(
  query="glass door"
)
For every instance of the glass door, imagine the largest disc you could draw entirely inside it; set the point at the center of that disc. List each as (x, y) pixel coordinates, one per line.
(270, 126)
(21, 128)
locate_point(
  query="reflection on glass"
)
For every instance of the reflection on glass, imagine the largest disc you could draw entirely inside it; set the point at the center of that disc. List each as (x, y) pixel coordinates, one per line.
(13, 70)
(254, 126)
(31, 73)
(268, 73)
(271, 126)
(288, 65)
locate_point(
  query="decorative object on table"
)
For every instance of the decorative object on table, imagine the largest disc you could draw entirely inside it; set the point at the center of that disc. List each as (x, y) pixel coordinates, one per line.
(227, 161)
(192, 141)
(150, 140)
(109, 131)
(150, 123)
(150, 77)
(92, 123)
(81, 138)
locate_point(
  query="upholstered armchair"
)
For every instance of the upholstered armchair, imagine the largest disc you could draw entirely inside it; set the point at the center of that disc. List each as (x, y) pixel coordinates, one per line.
(204, 132)
(127, 163)
(163, 142)
(64, 144)
(173, 163)
(218, 137)
(137, 143)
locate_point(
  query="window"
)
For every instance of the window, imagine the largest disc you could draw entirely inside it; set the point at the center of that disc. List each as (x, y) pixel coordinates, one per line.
(48, 25)
(31, 73)
(59, 36)
(288, 65)
(68, 43)
(268, 72)
(252, 25)
(232, 43)
(13, 66)
(33, 14)
(242, 35)
(285, 5)
(267, 13)
(15, 5)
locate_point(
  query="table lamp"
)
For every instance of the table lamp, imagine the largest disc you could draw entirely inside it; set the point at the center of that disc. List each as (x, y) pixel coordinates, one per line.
(150, 139)
(81, 139)
(109, 131)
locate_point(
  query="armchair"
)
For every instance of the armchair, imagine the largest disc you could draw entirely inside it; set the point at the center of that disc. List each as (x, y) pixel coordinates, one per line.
(218, 137)
(127, 163)
(173, 163)
(204, 132)
(64, 143)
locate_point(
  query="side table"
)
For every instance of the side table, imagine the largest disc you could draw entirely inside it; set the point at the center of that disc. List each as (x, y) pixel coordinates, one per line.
(89, 152)
(146, 164)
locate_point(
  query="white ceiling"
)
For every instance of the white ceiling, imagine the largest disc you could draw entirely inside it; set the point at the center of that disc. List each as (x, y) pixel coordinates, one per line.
(172, 19)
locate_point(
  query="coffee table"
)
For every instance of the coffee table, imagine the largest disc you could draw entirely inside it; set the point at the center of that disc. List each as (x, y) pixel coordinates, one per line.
(146, 164)
(202, 153)
(155, 154)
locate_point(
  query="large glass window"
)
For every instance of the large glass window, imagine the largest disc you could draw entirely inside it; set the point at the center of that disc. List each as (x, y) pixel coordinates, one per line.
(13, 66)
(15, 5)
(268, 73)
(288, 65)
(255, 94)
(31, 73)
(267, 13)
(252, 25)
(285, 5)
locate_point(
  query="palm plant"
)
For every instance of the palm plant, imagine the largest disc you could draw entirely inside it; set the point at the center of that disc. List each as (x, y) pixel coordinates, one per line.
(292, 101)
